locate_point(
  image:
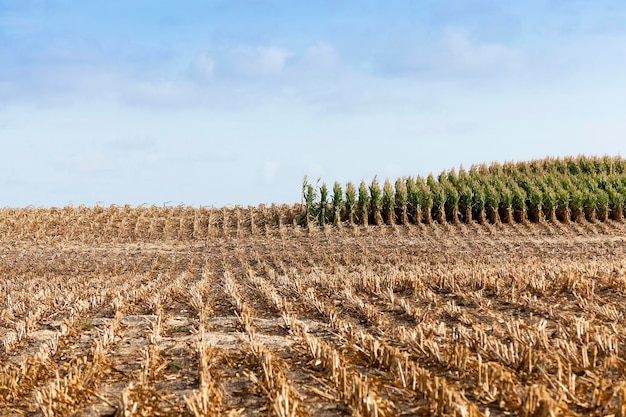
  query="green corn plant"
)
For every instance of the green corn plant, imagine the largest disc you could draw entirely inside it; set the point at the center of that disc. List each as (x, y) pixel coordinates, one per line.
(602, 205)
(616, 204)
(535, 203)
(463, 176)
(453, 179)
(549, 202)
(596, 200)
(465, 202)
(548, 196)
(439, 199)
(337, 203)
(505, 205)
(548, 165)
(560, 166)
(508, 169)
(389, 205)
(590, 205)
(426, 198)
(492, 203)
(363, 204)
(563, 212)
(323, 207)
(478, 202)
(552, 188)
(309, 196)
(401, 201)
(605, 165)
(376, 203)
(577, 205)
(585, 166)
(572, 166)
(619, 165)
(518, 200)
(483, 170)
(535, 167)
(350, 203)
(451, 204)
(414, 201)
(521, 169)
(495, 169)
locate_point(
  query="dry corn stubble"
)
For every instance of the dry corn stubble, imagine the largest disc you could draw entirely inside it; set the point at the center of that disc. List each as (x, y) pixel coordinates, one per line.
(452, 319)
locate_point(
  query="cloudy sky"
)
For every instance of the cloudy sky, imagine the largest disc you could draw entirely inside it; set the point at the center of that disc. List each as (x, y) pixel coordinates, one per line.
(232, 102)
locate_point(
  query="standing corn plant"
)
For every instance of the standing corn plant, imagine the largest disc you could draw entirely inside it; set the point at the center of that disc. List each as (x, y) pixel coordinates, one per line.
(505, 207)
(401, 201)
(465, 202)
(579, 188)
(414, 201)
(350, 203)
(478, 202)
(323, 207)
(439, 199)
(492, 203)
(363, 204)
(337, 203)
(388, 204)
(376, 203)
(426, 198)
(309, 195)
(451, 202)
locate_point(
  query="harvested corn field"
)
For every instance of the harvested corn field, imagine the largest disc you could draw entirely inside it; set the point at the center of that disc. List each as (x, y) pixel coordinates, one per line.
(181, 311)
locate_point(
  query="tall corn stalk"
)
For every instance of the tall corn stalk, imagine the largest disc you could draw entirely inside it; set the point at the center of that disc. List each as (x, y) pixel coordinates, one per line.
(363, 204)
(350, 203)
(426, 200)
(465, 202)
(388, 203)
(309, 196)
(439, 199)
(337, 203)
(376, 203)
(478, 202)
(414, 201)
(492, 203)
(322, 218)
(401, 201)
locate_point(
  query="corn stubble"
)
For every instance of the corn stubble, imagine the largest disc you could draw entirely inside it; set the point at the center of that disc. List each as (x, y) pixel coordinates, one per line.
(483, 297)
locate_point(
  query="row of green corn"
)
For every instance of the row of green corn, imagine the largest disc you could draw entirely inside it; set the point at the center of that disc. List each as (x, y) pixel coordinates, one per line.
(549, 189)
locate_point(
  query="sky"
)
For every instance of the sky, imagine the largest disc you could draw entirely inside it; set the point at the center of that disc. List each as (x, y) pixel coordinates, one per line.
(233, 102)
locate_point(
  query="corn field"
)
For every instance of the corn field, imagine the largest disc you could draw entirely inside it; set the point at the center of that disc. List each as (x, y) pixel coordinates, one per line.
(181, 311)
(569, 189)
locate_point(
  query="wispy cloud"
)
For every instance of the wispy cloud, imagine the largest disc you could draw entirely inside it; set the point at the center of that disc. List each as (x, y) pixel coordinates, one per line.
(461, 54)
(202, 68)
(258, 61)
(320, 57)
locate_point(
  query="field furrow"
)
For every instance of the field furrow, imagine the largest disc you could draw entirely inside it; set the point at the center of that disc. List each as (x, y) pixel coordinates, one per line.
(235, 311)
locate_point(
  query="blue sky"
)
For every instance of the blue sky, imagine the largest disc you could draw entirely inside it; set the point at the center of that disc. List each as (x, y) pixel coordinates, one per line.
(233, 102)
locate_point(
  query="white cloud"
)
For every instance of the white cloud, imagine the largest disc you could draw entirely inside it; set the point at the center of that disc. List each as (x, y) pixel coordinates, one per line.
(322, 57)
(203, 67)
(258, 61)
(460, 53)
